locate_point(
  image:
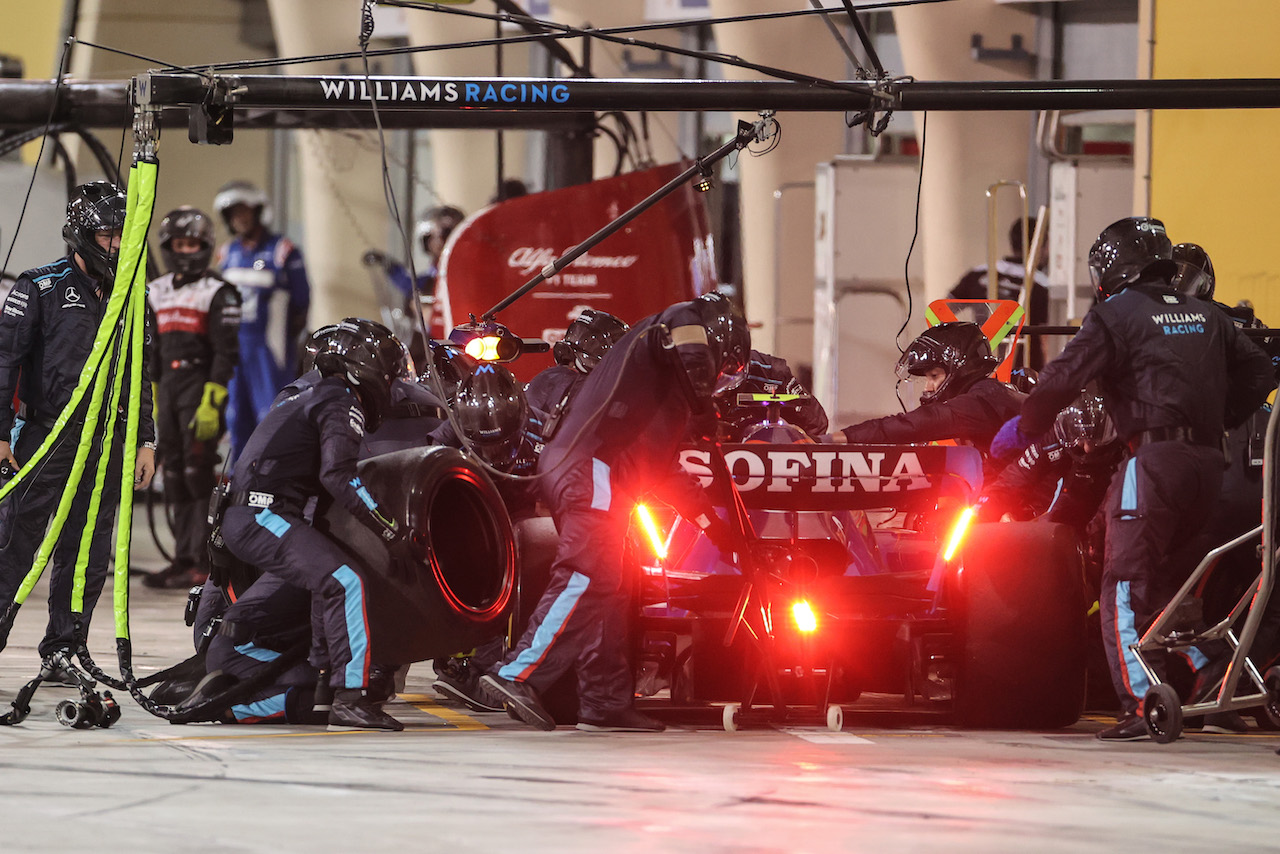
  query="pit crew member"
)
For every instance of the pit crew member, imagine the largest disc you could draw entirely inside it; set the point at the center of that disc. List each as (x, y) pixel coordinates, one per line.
(1174, 370)
(591, 334)
(961, 399)
(307, 447)
(47, 329)
(198, 320)
(275, 295)
(618, 441)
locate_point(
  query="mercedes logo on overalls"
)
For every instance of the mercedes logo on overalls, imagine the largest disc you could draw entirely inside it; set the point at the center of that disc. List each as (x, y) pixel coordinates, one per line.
(72, 296)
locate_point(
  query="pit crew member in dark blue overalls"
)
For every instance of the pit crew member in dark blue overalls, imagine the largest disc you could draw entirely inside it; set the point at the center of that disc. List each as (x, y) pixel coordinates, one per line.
(307, 447)
(47, 328)
(1065, 474)
(591, 334)
(618, 441)
(275, 295)
(1173, 369)
(961, 399)
(198, 321)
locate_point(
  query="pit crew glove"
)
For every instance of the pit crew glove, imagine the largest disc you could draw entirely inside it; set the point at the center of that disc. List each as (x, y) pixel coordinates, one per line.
(208, 418)
(1010, 441)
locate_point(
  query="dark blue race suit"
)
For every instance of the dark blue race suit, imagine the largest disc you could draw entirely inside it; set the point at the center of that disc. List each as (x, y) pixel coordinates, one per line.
(1173, 370)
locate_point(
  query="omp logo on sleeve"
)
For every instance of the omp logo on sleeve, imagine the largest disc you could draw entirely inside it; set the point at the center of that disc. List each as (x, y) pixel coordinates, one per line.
(260, 499)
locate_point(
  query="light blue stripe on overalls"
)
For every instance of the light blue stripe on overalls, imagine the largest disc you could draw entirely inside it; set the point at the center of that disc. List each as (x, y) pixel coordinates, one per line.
(356, 637)
(1129, 491)
(551, 627)
(262, 709)
(47, 276)
(1128, 632)
(257, 653)
(18, 424)
(273, 523)
(601, 491)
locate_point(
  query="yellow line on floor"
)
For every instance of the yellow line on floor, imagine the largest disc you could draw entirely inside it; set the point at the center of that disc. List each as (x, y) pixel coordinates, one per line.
(431, 707)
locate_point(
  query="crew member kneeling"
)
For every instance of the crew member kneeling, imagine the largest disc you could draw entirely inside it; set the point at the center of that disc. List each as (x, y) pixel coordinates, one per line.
(308, 445)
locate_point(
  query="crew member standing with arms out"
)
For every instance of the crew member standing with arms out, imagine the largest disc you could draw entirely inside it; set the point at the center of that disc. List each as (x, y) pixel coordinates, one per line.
(198, 320)
(618, 441)
(47, 329)
(1173, 369)
(307, 447)
(275, 296)
(961, 398)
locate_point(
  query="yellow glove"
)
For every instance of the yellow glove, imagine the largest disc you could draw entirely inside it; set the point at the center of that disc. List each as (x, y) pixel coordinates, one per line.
(208, 418)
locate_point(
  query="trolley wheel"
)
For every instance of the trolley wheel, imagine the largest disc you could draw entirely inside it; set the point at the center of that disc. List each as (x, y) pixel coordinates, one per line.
(731, 717)
(1162, 713)
(835, 717)
(70, 713)
(1269, 716)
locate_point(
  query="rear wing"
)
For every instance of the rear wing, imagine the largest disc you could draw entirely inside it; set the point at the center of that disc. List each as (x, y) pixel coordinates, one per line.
(837, 477)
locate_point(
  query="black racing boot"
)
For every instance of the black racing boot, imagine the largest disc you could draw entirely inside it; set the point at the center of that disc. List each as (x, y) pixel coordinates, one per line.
(518, 698)
(63, 672)
(622, 720)
(1130, 727)
(206, 690)
(462, 683)
(352, 709)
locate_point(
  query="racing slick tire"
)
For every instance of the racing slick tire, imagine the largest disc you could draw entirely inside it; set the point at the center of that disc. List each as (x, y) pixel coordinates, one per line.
(457, 593)
(1018, 597)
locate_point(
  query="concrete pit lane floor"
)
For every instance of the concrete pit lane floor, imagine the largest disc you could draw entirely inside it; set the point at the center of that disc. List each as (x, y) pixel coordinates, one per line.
(463, 782)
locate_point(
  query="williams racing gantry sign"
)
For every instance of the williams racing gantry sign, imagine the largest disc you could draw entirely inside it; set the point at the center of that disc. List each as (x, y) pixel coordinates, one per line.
(409, 93)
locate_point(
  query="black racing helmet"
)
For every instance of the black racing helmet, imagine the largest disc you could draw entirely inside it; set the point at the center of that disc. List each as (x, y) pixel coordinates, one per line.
(1195, 271)
(186, 221)
(451, 366)
(492, 413)
(959, 348)
(1085, 420)
(369, 357)
(1125, 250)
(93, 208)
(245, 193)
(591, 334)
(728, 337)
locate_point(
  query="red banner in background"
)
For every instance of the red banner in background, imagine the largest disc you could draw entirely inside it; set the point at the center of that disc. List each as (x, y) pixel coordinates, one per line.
(663, 256)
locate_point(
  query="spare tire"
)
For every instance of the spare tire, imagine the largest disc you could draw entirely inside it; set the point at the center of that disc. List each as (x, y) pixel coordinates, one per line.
(1018, 598)
(459, 594)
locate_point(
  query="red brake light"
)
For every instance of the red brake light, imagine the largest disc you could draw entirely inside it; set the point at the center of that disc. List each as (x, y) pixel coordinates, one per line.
(802, 613)
(958, 532)
(656, 542)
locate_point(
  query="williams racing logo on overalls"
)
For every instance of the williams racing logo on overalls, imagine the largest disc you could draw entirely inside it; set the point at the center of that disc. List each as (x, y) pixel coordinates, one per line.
(1180, 322)
(806, 477)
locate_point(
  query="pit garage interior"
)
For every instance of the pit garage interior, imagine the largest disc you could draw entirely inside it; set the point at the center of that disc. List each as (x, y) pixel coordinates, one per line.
(832, 237)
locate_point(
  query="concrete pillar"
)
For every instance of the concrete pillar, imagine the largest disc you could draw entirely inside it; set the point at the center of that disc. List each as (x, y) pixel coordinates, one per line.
(341, 173)
(965, 152)
(778, 262)
(464, 170)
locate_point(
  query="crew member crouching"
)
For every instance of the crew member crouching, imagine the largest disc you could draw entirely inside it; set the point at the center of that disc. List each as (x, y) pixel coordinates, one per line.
(306, 447)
